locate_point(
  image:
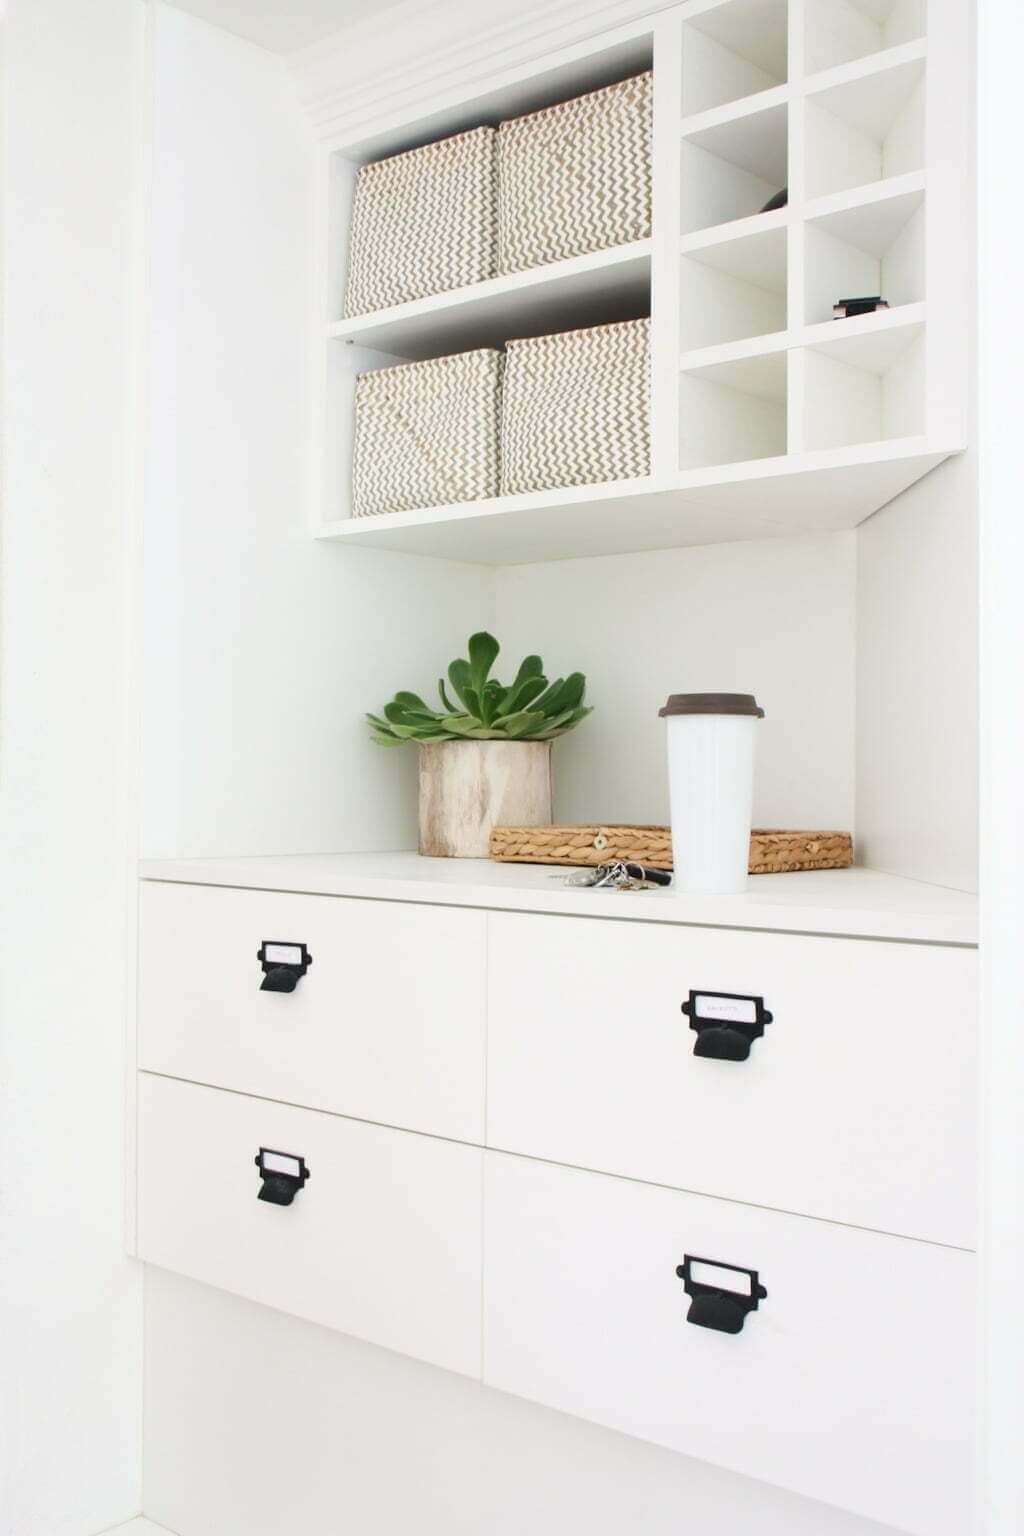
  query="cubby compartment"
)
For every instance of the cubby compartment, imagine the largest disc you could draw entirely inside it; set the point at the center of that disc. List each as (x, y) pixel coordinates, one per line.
(864, 388)
(839, 31)
(733, 411)
(866, 128)
(732, 289)
(732, 167)
(873, 247)
(732, 51)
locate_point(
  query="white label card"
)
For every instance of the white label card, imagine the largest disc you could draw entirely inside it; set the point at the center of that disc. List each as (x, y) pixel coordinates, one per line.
(283, 954)
(734, 1010)
(721, 1279)
(277, 1162)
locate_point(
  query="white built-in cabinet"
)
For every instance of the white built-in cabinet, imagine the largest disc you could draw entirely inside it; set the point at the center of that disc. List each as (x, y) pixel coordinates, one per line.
(509, 1160)
(768, 416)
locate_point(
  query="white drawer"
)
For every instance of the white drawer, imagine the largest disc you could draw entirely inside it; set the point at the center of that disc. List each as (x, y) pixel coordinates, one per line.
(857, 1104)
(387, 1024)
(383, 1241)
(851, 1383)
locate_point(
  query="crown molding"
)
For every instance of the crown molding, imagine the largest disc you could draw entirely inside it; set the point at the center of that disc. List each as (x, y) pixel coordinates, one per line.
(430, 47)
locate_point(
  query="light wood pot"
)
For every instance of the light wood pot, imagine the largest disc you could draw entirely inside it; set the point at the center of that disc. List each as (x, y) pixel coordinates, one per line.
(468, 787)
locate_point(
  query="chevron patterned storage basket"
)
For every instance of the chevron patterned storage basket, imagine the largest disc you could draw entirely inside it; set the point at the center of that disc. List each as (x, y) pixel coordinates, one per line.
(426, 434)
(424, 222)
(576, 177)
(576, 408)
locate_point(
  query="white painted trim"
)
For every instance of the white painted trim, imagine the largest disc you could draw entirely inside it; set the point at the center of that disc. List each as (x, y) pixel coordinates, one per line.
(342, 83)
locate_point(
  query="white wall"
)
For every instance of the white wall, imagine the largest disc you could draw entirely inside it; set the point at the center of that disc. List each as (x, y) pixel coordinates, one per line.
(70, 1301)
(260, 1425)
(1001, 1465)
(724, 617)
(263, 648)
(917, 681)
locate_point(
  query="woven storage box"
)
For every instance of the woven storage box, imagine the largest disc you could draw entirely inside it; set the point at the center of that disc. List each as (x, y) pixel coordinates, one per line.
(771, 852)
(424, 222)
(426, 434)
(576, 177)
(576, 408)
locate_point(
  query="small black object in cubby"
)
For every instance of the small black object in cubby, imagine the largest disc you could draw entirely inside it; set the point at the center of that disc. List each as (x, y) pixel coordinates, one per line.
(845, 309)
(780, 200)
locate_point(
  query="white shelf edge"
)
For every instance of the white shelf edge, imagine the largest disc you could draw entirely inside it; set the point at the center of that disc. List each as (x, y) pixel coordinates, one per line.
(491, 288)
(853, 902)
(871, 64)
(706, 476)
(737, 351)
(736, 111)
(565, 495)
(737, 229)
(850, 456)
(866, 196)
(902, 316)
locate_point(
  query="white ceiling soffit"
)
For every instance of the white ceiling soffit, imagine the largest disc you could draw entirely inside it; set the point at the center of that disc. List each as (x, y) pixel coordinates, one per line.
(284, 25)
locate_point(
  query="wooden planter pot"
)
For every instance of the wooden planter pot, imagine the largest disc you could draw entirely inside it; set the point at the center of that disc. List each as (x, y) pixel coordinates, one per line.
(468, 787)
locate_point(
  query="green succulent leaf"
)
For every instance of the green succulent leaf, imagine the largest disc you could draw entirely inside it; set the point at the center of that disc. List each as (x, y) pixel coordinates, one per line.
(467, 725)
(525, 723)
(449, 707)
(483, 652)
(563, 723)
(461, 678)
(490, 700)
(413, 701)
(548, 701)
(523, 692)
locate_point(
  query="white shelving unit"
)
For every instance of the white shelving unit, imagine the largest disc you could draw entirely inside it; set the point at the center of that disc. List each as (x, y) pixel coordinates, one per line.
(768, 415)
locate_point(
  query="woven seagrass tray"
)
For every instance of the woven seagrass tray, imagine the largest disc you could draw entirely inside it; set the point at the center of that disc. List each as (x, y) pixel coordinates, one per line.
(771, 851)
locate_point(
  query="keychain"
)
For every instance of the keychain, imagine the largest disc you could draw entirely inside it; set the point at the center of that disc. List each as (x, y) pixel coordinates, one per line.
(620, 875)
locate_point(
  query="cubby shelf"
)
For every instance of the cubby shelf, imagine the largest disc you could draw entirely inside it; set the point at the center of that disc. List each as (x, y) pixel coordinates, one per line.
(884, 334)
(585, 290)
(798, 493)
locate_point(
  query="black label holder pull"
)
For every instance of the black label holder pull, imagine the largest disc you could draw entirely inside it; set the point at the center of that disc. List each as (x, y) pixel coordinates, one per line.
(282, 1175)
(726, 1023)
(284, 965)
(714, 1303)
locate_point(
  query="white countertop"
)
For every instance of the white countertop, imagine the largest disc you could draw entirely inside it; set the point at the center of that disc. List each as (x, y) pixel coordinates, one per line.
(858, 902)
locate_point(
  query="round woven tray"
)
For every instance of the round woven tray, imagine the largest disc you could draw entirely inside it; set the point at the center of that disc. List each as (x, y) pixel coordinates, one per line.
(771, 851)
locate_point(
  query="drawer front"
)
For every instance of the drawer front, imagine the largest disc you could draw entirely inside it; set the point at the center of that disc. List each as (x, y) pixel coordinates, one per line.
(857, 1104)
(851, 1383)
(382, 1242)
(387, 1023)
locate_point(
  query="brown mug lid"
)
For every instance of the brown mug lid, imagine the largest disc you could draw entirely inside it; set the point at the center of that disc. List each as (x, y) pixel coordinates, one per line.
(712, 704)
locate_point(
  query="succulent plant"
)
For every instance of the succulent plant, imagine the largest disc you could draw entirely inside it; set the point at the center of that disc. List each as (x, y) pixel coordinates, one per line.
(528, 709)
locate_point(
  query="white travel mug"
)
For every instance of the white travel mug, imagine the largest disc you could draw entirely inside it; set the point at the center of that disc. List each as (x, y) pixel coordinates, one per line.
(711, 738)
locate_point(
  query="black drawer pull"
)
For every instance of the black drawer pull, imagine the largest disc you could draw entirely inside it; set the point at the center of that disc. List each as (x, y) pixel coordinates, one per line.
(714, 1306)
(282, 1175)
(284, 965)
(727, 1023)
